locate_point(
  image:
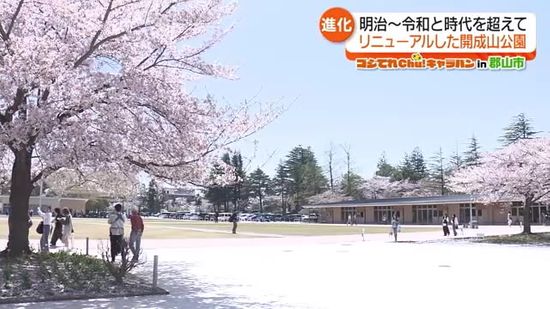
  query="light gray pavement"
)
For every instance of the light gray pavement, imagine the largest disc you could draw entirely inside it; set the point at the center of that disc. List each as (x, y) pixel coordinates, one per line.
(339, 272)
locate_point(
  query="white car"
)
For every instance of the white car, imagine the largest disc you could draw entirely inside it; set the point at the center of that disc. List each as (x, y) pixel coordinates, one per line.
(245, 217)
(224, 216)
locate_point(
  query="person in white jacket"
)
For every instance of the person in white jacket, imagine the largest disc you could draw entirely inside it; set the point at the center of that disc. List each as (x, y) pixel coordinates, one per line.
(47, 222)
(116, 232)
(455, 224)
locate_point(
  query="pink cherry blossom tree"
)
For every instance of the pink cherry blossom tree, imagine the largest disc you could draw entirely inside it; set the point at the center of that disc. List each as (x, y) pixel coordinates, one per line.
(379, 187)
(518, 171)
(98, 86)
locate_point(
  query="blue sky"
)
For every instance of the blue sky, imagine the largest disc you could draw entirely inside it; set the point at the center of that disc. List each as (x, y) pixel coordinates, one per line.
(282, 57)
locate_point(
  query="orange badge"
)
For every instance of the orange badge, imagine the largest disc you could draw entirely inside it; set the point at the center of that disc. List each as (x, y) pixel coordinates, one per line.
(336, 24)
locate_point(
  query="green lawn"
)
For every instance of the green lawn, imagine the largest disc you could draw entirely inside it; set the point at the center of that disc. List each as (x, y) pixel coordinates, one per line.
(99, 229)
(178, 229)
(302, 229)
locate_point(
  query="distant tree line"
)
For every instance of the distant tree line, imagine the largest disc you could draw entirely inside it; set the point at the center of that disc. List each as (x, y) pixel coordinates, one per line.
(299, 179)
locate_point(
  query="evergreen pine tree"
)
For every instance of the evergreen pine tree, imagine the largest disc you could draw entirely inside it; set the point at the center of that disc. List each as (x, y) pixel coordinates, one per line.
(473, 154)
(418, 165)
(306, 174)
(282, 184)
(384, 169)
(455, 161)
(351, 185)
(437, 171)
(259, 184)
(520, 128)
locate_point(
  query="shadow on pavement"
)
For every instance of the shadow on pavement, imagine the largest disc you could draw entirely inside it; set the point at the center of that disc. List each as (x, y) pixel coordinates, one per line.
(185, 292)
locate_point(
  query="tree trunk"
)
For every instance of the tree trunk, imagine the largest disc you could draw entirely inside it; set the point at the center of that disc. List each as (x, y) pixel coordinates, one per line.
(21, 187)
(330, 171)
(527, 216)
(261, 206)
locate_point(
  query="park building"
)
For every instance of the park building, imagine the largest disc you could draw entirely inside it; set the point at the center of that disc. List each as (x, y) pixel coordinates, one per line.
(77, 206)
(426, 210)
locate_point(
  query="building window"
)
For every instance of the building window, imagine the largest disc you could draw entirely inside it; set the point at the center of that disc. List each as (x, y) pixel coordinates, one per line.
(348, 211)
(427, 214)
(383, 214)
(469, 209)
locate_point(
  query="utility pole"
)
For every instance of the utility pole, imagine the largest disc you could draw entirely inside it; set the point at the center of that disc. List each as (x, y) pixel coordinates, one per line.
(40, 194)
(347, 150)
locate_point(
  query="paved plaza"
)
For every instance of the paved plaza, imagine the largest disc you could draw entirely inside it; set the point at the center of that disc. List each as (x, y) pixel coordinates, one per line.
(340, 272)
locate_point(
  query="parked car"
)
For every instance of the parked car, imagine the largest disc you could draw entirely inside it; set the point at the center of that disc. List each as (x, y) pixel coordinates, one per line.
(292, 217)
(310, 218)
(224, 216)
(179, 215)
(245, 217)
(262, 218)
(167, 215)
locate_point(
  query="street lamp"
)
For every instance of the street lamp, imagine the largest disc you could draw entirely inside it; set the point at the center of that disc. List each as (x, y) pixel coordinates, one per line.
(471, 211)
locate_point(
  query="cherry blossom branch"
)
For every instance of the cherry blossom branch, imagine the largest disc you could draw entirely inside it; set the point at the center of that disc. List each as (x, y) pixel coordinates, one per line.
(147, 57)
(13, 18)
(12, 109)
(125, 4)
(3, 33)
(95, 46)
(44, 173)
(146, 165)
(104, 21)
(171, 5)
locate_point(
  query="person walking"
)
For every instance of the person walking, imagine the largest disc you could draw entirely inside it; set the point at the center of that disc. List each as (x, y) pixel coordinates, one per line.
(455, 224)
(67, 229)
(349, 220)
(58, 227)
(509, 219)
(116, 232)
(136, 233)
(46, 223)
(395, 227)
(445, 224)
(234, 219)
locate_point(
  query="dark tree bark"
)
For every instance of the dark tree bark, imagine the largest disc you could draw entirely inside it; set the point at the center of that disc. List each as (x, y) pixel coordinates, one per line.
(21, 187)
(283, 206)
(527, 215)
(330, 169)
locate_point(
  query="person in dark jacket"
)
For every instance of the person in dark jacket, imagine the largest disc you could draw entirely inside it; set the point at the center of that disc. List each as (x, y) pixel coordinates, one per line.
(58, 227)
(234, 219)
(445, 223)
